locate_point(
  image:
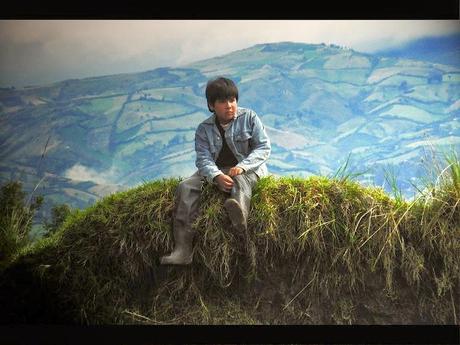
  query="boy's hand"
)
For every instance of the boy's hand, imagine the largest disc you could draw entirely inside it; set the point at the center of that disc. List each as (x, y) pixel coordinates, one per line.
(224, 182)
(235, 171)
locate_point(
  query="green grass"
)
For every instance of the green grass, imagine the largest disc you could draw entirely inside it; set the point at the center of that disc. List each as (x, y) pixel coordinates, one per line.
(318, 250)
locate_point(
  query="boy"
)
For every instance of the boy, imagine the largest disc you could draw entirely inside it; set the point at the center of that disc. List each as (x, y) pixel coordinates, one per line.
(231, 150)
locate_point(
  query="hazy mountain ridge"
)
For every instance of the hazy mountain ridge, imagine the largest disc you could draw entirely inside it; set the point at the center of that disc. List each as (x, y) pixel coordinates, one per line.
(444, 50)
(319, 103)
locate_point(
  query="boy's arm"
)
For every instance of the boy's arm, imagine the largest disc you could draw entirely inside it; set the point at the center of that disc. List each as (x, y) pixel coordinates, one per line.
(204, 160)
(261, 144)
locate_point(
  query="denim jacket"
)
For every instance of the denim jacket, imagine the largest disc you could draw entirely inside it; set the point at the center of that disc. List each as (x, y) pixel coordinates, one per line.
(246, 137)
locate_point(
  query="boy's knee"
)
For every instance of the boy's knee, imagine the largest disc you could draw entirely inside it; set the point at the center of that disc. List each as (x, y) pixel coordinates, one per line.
(187, 185)
(183, 187)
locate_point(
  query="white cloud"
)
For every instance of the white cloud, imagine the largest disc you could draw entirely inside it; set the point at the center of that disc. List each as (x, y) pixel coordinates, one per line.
(81, 173)
(38, 51)
(211, 38)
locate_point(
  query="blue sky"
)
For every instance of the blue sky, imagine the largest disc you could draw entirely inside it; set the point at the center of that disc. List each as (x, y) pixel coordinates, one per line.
(34, 52)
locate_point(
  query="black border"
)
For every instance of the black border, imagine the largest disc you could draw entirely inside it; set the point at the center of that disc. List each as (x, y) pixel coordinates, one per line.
(394, 334)
(234, 9)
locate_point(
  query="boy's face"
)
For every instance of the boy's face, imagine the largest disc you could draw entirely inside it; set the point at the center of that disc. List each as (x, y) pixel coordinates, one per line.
(225, 109)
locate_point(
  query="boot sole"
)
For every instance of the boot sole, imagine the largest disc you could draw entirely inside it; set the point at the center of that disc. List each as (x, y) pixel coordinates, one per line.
(235, 214)
(165, 260)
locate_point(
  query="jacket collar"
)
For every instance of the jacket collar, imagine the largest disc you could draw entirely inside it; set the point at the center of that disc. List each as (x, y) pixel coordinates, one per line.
(211, 119)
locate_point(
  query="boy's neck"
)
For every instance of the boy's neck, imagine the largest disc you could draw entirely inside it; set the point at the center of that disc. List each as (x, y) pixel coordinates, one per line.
(222, 123)
(225, 125)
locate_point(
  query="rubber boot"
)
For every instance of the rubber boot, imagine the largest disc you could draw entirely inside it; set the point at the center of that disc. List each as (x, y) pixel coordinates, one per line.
(183, 249)
(236, 214)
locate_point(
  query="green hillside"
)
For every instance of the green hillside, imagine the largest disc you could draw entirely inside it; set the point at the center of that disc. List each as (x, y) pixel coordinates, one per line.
(317, 251)
(324, 101)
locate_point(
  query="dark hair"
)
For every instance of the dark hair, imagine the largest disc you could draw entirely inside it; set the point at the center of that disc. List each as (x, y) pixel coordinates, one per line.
(220, 89)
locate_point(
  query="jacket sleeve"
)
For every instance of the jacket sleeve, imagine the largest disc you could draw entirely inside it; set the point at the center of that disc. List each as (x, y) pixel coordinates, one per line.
(260, 144)
(204, 160)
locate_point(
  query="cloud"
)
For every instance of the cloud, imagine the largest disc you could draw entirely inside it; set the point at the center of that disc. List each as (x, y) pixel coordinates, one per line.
(212, 38)
(81, 173)
(42, 51)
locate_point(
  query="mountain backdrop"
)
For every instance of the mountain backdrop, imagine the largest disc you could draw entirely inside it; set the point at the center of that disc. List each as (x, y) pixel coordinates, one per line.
(321, 104)
(441, 49)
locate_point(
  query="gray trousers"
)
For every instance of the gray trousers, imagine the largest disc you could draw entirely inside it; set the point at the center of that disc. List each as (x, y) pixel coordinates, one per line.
(188, 195)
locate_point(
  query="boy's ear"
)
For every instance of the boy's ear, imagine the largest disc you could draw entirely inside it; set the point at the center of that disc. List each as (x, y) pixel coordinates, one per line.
(211, 106)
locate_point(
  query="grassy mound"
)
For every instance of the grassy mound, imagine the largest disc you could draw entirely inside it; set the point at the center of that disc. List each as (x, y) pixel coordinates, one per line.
(317, 251)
